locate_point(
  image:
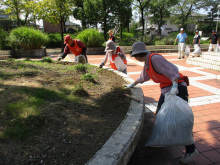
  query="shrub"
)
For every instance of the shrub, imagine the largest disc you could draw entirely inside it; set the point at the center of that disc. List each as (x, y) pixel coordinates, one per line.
(91, 38)
(71, 30)
(47, 59)
(169, 41)
(148, 40)
(88, 77)
(127, 40)
(27, 38)
(3, 40)
(54, 40)
(81, 68)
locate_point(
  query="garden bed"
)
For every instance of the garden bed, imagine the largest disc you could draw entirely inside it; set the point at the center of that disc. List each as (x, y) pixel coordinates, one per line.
(57, 113)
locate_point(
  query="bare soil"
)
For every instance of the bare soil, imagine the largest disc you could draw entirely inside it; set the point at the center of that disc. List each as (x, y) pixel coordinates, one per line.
(63, 132)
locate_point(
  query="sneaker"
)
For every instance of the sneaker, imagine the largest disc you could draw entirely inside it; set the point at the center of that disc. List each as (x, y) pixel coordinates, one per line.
(183, 56)
(179, 57)
(188, 157)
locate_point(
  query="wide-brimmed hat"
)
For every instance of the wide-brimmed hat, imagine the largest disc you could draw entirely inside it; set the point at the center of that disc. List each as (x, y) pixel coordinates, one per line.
(137, 48)
(110, 46)
(66, 39)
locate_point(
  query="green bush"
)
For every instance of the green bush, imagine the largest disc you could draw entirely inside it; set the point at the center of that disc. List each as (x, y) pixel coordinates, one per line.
(4, 40)
(88, 77)
(27, 38)
(127, 39)
(81, 68)
(54, 40)
(47, 59)
(91, 38)
(148, 40)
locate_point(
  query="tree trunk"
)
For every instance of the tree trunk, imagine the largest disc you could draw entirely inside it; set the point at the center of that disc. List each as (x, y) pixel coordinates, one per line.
(61, 30)
(121, 33)
(105, 28)
(142, 20)
(159, 29)
(18, 19)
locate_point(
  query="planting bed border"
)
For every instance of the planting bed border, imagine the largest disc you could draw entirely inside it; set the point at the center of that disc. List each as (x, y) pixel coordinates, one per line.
(119, 147)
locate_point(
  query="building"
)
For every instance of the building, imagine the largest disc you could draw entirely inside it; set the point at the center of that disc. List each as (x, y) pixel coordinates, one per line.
(50, 28)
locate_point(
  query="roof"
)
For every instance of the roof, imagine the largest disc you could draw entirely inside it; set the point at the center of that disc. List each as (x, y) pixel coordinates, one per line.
(68, 22)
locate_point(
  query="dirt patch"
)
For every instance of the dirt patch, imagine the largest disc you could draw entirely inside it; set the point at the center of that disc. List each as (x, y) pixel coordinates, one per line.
(60, 117)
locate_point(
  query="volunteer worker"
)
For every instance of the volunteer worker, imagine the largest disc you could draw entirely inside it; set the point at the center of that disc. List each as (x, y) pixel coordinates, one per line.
(196, 42)
(75, 46)
(214, 41)
(111, 37)
(116, 56)
(182, 39)
(167, 74)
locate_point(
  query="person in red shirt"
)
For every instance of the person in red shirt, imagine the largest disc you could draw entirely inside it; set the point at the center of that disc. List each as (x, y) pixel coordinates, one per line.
(111, 37)
(75, 46)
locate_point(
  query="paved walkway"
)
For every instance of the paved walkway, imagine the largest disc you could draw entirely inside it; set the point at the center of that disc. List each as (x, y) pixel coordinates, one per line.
(204, 93)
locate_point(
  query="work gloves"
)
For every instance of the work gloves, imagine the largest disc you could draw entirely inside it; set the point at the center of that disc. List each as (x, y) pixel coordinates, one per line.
(129, 85)
(174, 43)
(174, 89)
(59, 58)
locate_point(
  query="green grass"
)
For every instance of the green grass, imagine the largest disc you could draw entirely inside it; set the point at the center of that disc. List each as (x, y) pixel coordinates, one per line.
(81, 68)
(88, 77)
(47, 59)
(22, 107)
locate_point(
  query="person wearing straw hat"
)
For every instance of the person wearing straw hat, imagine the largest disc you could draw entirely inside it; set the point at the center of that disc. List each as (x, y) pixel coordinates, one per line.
(111, 37)
(75, 46)
(196, 43)
(182, 39)
(116, 56)
(213, 41)
(161, 71)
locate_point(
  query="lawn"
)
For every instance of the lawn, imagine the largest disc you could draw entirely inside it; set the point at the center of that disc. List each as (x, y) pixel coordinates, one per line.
(57, 112)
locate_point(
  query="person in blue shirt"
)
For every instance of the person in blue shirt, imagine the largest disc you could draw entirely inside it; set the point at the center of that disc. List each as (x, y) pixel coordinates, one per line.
(182, 39)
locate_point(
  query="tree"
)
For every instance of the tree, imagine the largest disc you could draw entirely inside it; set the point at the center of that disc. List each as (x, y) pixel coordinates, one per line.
(107, 13)
(212, 15)
(19, 8)
(182, 11)
(13, 7)
(141, 5)
(123, 14)
(29, 12)
(160, 10)
(56, 12)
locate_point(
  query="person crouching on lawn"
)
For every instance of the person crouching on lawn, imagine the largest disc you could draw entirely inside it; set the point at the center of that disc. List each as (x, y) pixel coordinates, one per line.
(116, 56)
(75, 46)
(167, 74)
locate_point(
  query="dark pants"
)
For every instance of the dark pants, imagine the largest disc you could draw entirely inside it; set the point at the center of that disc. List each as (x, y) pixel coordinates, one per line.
(183, 93)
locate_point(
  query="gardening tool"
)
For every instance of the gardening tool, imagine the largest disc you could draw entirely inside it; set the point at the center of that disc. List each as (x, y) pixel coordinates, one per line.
(133, 98)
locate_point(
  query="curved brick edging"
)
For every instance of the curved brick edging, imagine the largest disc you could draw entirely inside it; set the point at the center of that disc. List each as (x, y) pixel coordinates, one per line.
(119, 147)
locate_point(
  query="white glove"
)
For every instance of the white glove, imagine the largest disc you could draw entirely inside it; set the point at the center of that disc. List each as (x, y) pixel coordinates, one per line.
(174, 89)
(129, 85)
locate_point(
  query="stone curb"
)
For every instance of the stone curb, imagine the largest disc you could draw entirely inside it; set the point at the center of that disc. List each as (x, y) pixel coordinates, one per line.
(119, 147)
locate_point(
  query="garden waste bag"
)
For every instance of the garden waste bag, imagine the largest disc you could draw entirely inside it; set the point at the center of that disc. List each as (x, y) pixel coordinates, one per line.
(173, 125)
(187, 50)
